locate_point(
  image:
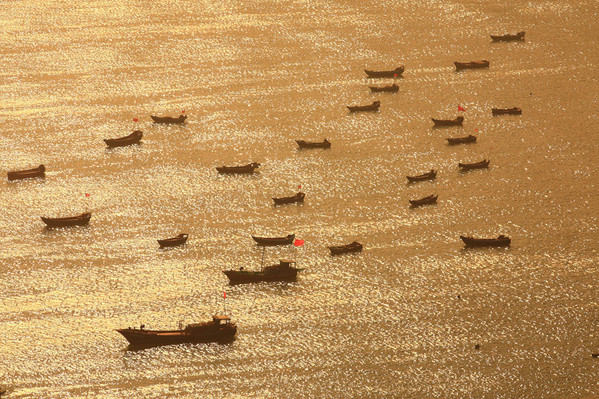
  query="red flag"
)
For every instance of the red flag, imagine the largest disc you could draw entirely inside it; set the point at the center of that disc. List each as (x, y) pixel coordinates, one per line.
(394, 75)
(87, 195)
(460, 109)
(298, 243)
(476, 130)
(299, 187)
(224, 294)
(183, 111)
(134, 119)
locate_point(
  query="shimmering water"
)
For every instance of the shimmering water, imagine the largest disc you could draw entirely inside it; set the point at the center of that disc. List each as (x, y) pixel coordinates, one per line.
(252, 77)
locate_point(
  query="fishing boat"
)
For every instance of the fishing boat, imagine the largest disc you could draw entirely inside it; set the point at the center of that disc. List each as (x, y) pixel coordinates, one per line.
(471, 65)
(169, 119)
(133, 138)
(385, 89)
(476, 165)
(220, 329)
(40, 171)
(506, 111)
(508, 37)
(80, 220)
(272, 241)
(501, 241)
(284, 271)
(343, 249)
(173, 242)
(431, 199)
(385, 74)
(365, 108)
(299, 197)
(461, 140)
(313, 144)
(425, 176)
(245, 169)
(448, 122)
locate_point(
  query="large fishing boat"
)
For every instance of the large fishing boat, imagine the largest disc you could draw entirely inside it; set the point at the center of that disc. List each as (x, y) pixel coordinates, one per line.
(284, 271)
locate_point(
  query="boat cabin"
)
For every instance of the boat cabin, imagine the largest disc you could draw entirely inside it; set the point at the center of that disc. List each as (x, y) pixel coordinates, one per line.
(286, 263)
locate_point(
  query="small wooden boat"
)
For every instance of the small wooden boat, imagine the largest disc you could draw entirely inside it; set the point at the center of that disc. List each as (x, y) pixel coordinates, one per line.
(476, 165)
(388, 89)
(361, 108)
(80, 220)
(343, 249)
(385, 74)
(471, 65)
(425, 176)
(245, 169)
(508, 37)
(133, 138)
(284, 271)
(173, 242)
(299, 197)
(501, 241)
(40, 171)
(220, 329)
(461, 140)
(169, 119)
(313, 144)
(448, 122)
(272, 241)
(431, 199)
(506, 111)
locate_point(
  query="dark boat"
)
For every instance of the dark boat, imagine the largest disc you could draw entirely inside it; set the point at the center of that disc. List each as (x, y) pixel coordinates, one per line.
(501, 241)
(133, 138)
(506, 111)
(471, 65)
(299, 197)
(476, 165)
(220, 329)
(508, 37)
(389, 89)
(343, 249)
(284, 271)
(425, 176)
(359, 108)
(80, 220)
(385, 74)
(245, 169)
(448, 122)
(169, 119)
(173, 242)
(272, 241)
(313, 144)
(461, 140)
(40, 171)
(431, 199)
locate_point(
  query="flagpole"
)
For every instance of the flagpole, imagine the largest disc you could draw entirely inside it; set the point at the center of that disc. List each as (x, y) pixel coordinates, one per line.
(225, 302)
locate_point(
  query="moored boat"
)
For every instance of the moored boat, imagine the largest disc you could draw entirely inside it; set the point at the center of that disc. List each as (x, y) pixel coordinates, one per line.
(313, 144)
(220, 329)
(461, 140)
(133, 138)
(506, 111)
(79, 220)
(169, 119)
(431, 199)
(299, 197)
(40, 171)
(471, 64)
(385, 74)
(361, 108)
(425, 176)
(354, 246)
(385, 89)
(173, 242)
(448, 122)
(501, 241)
(284, 271)
(272, 241)
(508, 37)
(476, 165)
(245, 169)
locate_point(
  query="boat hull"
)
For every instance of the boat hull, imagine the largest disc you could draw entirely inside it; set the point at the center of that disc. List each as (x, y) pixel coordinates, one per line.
(169, 119)
(471, 65)
(424, 201)
(385, 74)
(149, 338)
(345, 249)
(173, 242)
(272, 241)
(40, 171)
(246, 277)
(461, 140)
(81, 220)
(486, 242)
(311, 144)
(133, 138)
(299, 197)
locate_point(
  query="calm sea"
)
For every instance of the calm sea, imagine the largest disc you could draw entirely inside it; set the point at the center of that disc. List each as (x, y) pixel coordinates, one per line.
(400, 319)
